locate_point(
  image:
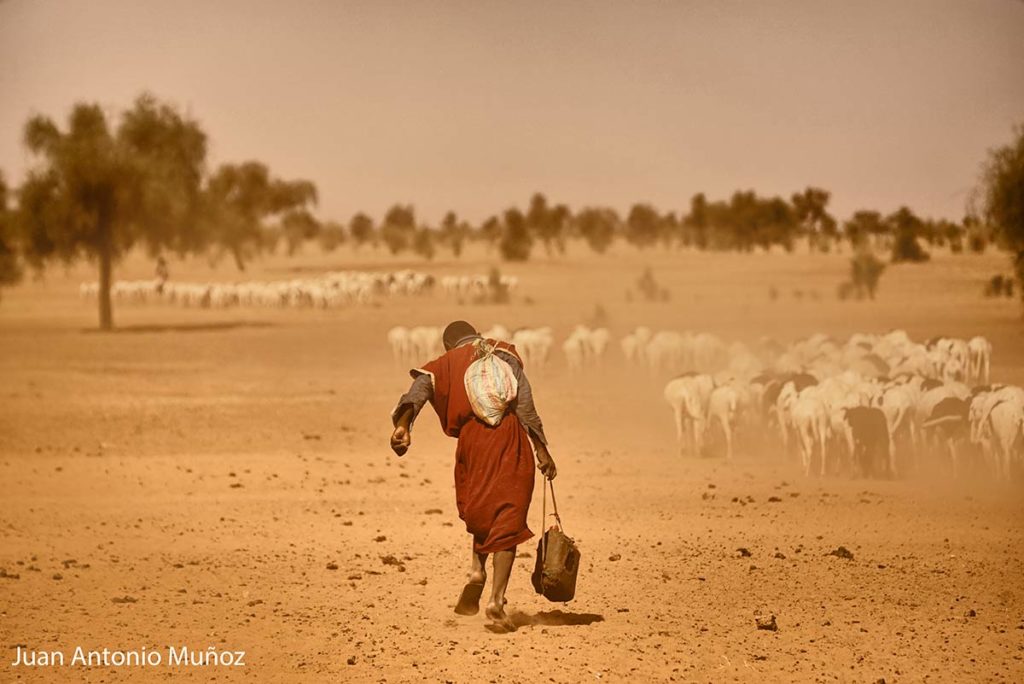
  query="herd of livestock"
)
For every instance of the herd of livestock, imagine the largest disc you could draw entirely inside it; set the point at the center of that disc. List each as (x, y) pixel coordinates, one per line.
(333, 289)
(329, 290)
(872, 405)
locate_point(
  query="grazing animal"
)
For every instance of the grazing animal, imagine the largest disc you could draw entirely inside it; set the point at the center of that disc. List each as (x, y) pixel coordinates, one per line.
(723, 407)
(687, 395)
(868, 435)
(980, 351)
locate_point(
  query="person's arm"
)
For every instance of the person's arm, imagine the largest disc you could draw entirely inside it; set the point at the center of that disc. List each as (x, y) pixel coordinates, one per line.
(409, 406)
(526, 411)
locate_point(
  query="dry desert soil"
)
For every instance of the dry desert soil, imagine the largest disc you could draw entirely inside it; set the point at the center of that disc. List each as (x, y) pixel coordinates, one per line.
(221, 478)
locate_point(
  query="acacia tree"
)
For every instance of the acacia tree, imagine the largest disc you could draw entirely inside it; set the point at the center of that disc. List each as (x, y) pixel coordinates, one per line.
(95, 192)
(906, 227)
(1003, 198)
(696, 223)
(331, 235)
(811, 209)
(491, 232)
(245, 210)
(643, 225)
(399, 228)
(864, 226)
(516, 241)
(597, 226)
(361, 229)
(453, 232)
(548, 223)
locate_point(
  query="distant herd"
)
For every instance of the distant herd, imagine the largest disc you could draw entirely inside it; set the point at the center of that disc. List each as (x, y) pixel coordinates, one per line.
(876, 405)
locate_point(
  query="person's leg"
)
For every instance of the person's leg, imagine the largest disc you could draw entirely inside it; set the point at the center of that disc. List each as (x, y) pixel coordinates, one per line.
(469, 600)
(503, 561)
(478, 569)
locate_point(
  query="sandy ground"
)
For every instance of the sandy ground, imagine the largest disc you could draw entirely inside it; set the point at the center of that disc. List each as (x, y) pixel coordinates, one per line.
(222, 479)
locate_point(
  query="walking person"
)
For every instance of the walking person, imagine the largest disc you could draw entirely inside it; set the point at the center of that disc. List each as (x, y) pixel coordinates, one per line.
(493, 465)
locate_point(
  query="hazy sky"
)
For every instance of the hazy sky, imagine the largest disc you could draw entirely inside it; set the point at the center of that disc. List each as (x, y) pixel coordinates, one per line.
(474, 105)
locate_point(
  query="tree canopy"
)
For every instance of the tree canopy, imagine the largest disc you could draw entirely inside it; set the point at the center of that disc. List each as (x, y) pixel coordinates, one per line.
(1003, 193)
(95, 192)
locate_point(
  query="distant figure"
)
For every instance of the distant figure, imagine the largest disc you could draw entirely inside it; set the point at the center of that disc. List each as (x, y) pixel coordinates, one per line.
(162, 273)
(493, 465)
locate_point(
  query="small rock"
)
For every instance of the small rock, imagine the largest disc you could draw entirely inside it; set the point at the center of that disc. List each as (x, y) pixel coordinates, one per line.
(774, 499)
(433, 511)
(841, 552)
(970, 613)
(351, 660)
(58, 576)
(381, 538)
(766, 622)
(391, 560)
(744, 552)
(332, 566)
(780, 555)
(614, 557)
(123, 599)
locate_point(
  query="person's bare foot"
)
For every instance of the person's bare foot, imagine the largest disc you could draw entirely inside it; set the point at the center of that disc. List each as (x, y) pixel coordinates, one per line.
(500, 619)
(469, 599)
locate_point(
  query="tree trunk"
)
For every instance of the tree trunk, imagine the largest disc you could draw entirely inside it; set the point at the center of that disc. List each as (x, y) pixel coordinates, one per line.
(106, 259)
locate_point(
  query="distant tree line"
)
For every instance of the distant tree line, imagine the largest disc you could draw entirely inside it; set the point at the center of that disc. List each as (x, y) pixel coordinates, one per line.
(744, 223)
(100, 187)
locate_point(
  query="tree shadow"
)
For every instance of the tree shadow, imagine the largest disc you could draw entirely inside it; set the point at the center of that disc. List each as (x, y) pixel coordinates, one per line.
(183, 327)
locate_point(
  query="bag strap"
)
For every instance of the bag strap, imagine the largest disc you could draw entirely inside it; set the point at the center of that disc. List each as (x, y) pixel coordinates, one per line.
(554, 504)
(544, 518)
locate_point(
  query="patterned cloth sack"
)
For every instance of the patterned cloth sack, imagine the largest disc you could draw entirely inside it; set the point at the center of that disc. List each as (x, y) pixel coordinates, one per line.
(491, 384)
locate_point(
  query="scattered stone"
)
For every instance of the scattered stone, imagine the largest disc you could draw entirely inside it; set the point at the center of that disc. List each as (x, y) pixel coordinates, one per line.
(351, 660)
(614, 557)
(236, 485)
(744, 552)
(124, 599)
(332, 566)
(8, 575)
(774, 499)
(766, 623)
(254, 602)
(970, 613)
(381, 538)
(58, 576)
(391, 560)
(780, 555)
(841, 552)
(355, 576)
(433, 511)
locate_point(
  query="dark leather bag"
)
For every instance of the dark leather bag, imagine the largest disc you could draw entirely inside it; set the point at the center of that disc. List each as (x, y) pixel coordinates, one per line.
(558, 559)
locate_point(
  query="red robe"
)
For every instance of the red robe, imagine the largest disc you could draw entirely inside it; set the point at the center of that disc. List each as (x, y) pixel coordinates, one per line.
(494, 467)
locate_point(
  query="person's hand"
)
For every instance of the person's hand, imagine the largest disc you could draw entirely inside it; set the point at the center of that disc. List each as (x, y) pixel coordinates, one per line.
(546, 464)
(401, 438)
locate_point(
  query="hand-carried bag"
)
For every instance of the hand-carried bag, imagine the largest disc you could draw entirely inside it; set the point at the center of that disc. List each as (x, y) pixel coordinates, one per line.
(491, 384)
(558, 559)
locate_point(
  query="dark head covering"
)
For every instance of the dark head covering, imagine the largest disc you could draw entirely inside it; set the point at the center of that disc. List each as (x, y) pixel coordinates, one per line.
(456, 332)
